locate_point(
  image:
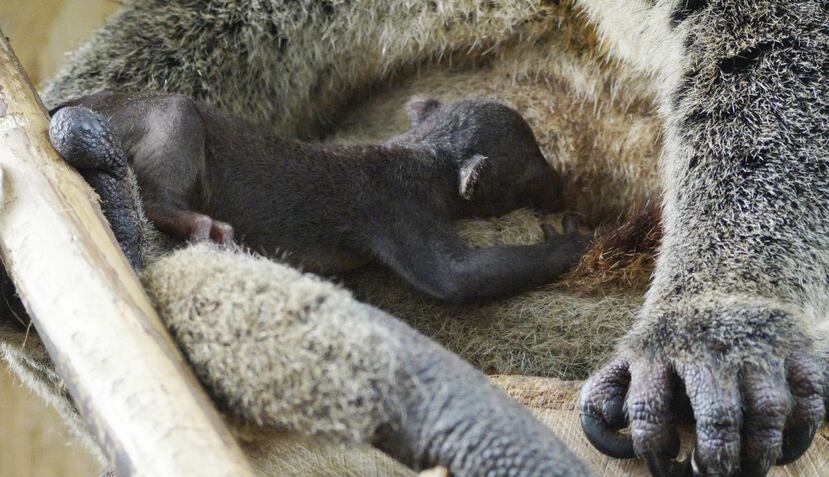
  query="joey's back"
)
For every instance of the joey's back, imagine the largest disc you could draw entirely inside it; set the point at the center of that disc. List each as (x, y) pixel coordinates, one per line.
(283, 195)
(469, 158)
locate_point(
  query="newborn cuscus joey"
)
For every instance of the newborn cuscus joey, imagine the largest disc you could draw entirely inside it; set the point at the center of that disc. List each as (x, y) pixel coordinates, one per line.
(205, 173)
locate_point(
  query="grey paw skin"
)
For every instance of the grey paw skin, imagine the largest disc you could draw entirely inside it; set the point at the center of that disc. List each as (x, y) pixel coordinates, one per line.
(86, 141)
(454, 417)
(756, 402)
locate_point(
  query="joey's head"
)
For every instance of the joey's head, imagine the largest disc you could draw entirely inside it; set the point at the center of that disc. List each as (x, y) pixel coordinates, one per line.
(493, 152)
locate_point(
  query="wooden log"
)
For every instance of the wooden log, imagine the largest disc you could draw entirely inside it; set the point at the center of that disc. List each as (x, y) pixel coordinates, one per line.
(126, 375)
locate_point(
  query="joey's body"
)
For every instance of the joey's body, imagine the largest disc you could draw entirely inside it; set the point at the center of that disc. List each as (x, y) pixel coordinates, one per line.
(331, 208)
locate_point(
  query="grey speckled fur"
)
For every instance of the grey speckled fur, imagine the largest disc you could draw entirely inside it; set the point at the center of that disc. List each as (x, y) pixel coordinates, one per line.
(739, 294)
(291, 351)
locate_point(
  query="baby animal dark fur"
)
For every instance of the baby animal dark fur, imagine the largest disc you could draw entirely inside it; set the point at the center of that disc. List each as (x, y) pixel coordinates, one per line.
(327, 208)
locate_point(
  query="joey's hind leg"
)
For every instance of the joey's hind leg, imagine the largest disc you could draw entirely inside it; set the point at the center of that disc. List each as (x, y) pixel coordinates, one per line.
(170, 165)
(189, 225)
(86, 141)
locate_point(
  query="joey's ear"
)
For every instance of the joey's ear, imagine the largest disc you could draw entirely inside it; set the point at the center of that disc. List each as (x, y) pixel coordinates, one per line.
(419, 109)
(470, 174)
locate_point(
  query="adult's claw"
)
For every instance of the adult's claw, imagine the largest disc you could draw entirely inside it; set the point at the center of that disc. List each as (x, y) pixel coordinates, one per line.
(755, 404)
(605, 439)
(795, 443)
(661, 466)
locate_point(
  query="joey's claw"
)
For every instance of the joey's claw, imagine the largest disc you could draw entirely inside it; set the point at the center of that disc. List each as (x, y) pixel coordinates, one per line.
(201, 227)
(221, 233)
(571, 224)
(549, 231)
(204, 228)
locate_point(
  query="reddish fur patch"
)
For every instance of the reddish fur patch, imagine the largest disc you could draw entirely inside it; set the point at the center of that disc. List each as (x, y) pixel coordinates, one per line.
(623, 256)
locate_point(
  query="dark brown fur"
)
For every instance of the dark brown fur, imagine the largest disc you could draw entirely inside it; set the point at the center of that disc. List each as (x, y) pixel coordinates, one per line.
(622, 257)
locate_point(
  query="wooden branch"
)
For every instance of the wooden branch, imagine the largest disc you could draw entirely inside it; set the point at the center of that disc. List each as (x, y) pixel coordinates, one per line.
(127, 377)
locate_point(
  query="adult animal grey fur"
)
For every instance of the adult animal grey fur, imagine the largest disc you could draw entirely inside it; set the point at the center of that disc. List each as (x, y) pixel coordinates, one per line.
(293, 65)
(739, 291)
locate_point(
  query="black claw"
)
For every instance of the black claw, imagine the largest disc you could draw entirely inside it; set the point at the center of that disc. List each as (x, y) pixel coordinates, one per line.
(795, 443)
(662, 466)
(605, 439)
(570, 224)
(614, 412)
(549, 231)
(694, 466)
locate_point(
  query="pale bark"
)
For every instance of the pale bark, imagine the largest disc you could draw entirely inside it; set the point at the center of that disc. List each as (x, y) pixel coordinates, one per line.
(127, 377)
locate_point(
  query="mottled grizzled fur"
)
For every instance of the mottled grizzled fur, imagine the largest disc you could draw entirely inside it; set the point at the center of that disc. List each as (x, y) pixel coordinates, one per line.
(740, 287)
(299, 354)
(741, 89)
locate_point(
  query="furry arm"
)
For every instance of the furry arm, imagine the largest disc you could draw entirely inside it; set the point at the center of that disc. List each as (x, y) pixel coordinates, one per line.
(305, 356)
(740, 284)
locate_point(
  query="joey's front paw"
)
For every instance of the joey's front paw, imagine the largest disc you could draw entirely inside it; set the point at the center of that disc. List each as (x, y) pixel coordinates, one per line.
(749, 372)
(573, 241)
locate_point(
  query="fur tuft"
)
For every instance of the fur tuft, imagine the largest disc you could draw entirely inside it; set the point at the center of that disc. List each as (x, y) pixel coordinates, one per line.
(621, 257)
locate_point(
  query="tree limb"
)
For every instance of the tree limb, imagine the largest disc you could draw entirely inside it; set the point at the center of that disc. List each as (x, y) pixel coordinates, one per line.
(126, 375)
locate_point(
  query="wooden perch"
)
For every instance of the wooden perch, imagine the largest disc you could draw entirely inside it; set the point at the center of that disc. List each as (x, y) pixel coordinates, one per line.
(127, 377)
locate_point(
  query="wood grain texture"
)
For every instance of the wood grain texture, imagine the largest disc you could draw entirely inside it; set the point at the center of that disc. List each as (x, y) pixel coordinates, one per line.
(36, 442)
(128, 379)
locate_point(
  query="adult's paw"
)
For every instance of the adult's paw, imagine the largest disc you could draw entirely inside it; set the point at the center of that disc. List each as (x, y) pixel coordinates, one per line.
(750, 373)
